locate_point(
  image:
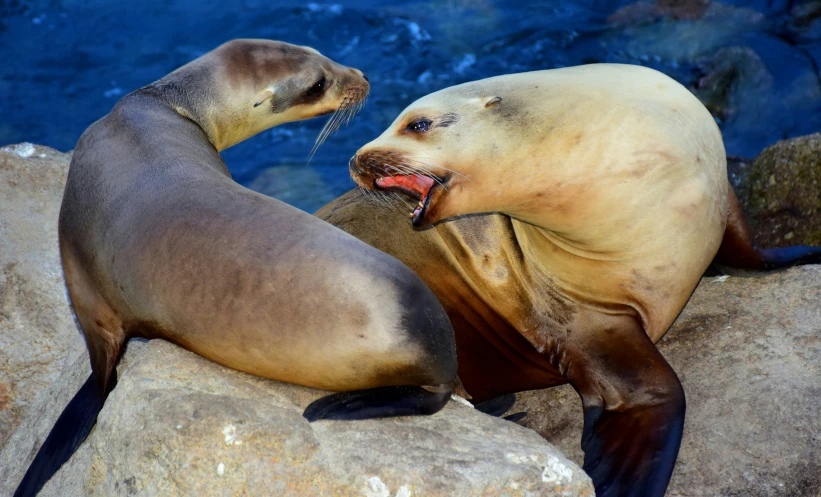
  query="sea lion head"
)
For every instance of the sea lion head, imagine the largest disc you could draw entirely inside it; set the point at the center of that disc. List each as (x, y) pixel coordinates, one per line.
(246, 86)
(448, 151)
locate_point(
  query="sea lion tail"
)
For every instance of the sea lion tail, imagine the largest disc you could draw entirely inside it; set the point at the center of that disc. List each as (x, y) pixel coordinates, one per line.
(70, 430)
(738, 250)
(381, 402)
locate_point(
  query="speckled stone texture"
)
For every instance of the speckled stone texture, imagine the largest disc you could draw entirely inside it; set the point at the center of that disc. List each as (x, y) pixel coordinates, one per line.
(179, 425)
(36, 325)
(783, 193)
(748, 352)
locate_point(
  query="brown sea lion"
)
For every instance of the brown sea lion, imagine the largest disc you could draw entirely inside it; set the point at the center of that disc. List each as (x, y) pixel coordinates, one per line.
(158, 241)
(608, 193)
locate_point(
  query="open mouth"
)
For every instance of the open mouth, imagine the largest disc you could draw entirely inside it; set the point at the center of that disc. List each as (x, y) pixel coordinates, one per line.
(417, 186)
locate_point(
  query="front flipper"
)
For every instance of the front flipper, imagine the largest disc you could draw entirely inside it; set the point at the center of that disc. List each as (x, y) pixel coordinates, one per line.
(497, 406)
(633, 407)
(382, 402)
(739, 251)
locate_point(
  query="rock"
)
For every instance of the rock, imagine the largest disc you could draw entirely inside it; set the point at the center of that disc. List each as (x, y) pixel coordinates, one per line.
(748, 352)
(36, 325)
(646, 12)
(782, 197)
(179, 425)
(732, 79)
(804, 25)
(681, 32)
(305, 187)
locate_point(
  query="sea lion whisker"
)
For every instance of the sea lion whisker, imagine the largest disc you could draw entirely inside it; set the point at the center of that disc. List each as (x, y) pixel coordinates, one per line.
(414, 170)
(330, 127)
(367, 194)
(390, 199)
(417, 168)
(420, 170)
(342, 115)
(440, 167)
(396, 163)
(323, 134)
(376, 197)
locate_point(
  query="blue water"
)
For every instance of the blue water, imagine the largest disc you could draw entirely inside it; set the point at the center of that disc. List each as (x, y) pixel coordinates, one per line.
(65, 63)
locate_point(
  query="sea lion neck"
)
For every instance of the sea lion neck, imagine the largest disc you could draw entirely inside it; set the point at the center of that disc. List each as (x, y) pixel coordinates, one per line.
(187, 93)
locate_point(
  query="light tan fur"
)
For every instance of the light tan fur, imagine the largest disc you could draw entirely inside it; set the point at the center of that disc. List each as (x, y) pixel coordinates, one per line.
(614, 177)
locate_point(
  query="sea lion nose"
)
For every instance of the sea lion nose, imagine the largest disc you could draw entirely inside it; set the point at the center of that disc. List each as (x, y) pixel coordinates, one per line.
(360, 73)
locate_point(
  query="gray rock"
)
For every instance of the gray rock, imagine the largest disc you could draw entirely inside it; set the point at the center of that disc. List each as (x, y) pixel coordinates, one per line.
(179, 425)
(748, 352)
(36, 325)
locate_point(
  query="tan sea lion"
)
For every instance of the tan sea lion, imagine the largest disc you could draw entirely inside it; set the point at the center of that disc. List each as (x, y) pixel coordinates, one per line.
(158, 241)
(609, 197)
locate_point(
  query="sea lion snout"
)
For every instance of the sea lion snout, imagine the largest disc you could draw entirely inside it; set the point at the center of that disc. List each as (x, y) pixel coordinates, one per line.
(385, 171)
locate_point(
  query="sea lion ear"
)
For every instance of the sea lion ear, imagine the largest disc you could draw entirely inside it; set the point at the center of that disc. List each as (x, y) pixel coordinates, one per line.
(491, 101)
(263, 96)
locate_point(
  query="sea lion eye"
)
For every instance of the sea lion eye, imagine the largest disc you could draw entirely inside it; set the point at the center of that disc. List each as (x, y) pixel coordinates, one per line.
(318, 88)
(419, 125)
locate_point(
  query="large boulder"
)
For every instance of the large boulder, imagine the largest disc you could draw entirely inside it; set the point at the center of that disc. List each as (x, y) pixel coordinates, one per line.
(748, 353)
(36, 324)
(178, 425)
(782, 193)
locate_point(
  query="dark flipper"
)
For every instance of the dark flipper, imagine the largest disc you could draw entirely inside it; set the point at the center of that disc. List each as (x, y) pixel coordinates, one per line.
(738, 249)
(70, 430)
(382, 402)
(633, 409)
(516, 417)
(497, 405)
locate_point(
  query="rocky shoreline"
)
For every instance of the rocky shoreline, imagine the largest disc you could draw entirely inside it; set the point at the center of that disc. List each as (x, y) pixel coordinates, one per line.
(748, 352)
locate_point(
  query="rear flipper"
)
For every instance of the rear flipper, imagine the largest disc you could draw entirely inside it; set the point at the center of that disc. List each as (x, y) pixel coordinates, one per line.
(70, 430)
(739, 252)
(382, 402)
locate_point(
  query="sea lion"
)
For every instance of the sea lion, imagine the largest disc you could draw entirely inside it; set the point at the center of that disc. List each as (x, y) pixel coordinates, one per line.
(605, 197)
(158, 241)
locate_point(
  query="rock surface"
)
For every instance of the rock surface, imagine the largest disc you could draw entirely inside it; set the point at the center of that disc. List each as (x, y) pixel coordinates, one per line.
(36, 324)
(748, 352)
(178, 425)
(782, 196)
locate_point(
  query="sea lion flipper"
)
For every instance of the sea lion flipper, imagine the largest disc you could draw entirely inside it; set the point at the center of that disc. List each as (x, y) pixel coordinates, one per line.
(70, 430)
(513, 418)
(739, 251)
(497, 406)
(382, 402)
(633, 410)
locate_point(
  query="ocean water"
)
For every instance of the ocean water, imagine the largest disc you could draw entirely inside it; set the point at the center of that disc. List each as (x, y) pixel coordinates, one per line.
(63, 64)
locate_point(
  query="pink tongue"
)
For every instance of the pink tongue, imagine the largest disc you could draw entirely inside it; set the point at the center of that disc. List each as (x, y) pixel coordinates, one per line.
(416, 183)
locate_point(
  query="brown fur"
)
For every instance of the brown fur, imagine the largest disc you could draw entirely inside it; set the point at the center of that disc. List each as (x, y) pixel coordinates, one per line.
(158, 241)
